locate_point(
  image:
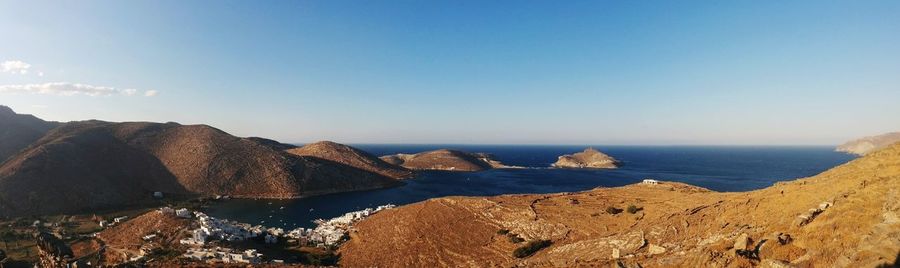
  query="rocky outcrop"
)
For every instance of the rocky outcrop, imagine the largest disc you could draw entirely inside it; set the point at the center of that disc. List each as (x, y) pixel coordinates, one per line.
(449, 160)
(843, 217)
(869, 144)
(589, 158)
(352, 157)
(94, 165)
(17, 131)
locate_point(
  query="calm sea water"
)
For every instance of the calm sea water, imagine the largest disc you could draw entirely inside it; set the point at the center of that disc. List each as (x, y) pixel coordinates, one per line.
(720, 168)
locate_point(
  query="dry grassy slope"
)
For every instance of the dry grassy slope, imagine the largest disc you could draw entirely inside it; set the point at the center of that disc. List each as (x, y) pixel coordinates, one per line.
(17, 131)
(92, 165)
(679, 226)
(444, 160)
(352, 157)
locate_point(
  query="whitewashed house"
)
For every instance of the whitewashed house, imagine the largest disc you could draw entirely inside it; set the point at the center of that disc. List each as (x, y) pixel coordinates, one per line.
(183, 213)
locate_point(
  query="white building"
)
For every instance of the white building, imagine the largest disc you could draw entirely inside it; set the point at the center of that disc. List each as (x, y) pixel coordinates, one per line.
(166, 210)
(183, 213)
(650, 181)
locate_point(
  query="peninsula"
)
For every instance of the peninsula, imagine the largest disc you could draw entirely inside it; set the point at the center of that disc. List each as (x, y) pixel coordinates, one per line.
(863, 146)
(448, 160)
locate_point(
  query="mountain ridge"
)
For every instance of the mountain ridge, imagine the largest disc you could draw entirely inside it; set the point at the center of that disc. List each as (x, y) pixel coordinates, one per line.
(17, 131)
(90, 165)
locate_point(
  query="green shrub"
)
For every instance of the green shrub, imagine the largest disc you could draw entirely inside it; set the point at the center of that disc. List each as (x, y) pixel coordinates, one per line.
(613, 210)
(633, 209)
(502, 232)
(531, 248)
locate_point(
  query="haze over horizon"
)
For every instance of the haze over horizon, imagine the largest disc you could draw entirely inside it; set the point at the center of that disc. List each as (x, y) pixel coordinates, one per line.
(465, 72)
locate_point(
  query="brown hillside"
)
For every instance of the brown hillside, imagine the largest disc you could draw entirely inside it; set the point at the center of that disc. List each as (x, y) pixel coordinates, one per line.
(848, 216)
(444, 159)
(92, 165)
(352, 157)
(17, 131)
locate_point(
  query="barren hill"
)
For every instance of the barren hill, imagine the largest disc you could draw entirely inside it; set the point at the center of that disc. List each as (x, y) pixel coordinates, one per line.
(865, 145)
(17, 131)
(94, 165)
(848, 216)
(589, 158)
(444, 159)
(352, 157)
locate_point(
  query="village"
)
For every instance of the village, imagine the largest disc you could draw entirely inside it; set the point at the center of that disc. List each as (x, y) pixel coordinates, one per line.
(201, 238)
(327, 234)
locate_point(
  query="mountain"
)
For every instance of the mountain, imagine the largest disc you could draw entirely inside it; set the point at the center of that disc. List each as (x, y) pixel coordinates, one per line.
(865, 145)
(450, 160)
(848, 216)
(352, 157)
(93, 165)
(17, 131)
(589, 158)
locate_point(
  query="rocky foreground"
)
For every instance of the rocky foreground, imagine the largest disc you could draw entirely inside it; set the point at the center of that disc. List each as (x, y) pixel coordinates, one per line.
(848, 216)
(589, 158)
(448, 160)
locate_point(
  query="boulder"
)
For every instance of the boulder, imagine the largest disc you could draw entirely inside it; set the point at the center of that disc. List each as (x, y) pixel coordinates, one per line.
(655, 249)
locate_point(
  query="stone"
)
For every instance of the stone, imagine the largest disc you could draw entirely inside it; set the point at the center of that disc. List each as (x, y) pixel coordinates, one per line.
(770, 263)
(742, 242)
(615, 253)
(654, 249)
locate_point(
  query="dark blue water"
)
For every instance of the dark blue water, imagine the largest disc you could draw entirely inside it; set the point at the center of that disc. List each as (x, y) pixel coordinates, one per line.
(720, 168)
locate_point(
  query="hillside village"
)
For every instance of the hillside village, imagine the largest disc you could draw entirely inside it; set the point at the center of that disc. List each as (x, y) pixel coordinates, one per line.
(204, 239)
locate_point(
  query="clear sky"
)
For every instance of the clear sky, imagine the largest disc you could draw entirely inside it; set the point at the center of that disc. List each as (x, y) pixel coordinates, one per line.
(522, 72)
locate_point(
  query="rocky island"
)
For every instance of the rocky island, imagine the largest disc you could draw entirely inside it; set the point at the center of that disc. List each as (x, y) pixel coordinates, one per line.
(865, 145)
(448, 160)
(589, 158)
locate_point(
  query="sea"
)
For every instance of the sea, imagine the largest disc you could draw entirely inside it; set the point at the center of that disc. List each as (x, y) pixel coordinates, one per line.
(719, 168)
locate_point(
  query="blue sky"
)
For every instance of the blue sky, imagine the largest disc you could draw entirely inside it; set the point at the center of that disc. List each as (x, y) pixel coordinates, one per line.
(522, 72)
